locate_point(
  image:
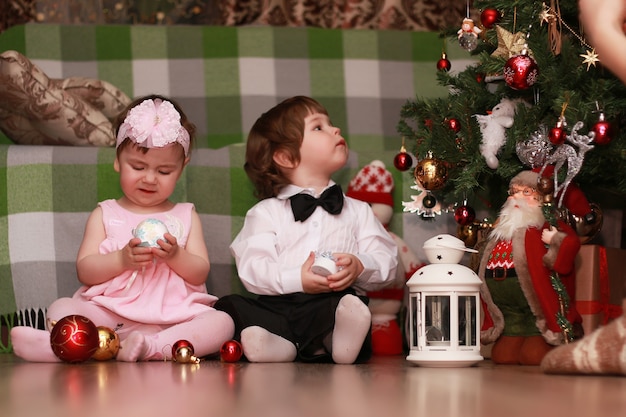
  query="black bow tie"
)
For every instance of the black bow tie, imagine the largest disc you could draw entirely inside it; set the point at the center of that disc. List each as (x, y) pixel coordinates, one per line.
(303, 205)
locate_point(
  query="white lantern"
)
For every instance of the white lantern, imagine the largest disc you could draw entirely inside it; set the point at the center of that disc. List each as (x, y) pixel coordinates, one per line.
(444, 308)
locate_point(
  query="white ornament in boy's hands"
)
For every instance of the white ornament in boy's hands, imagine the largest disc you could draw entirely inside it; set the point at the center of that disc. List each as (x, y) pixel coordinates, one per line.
(324, 264)
(149, 231)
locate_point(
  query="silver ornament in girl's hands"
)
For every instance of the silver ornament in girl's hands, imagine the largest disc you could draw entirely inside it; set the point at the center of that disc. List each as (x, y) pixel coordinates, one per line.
(149, 231)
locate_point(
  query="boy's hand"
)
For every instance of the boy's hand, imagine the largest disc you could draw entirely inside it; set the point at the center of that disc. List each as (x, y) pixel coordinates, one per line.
(311, 282)
(349, 268)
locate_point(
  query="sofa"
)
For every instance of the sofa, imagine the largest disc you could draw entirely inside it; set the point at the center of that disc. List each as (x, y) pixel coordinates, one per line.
(224, 78)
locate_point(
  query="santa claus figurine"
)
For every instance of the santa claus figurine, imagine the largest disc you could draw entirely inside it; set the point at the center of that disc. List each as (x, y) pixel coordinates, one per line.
(521, 306)
(374, 185)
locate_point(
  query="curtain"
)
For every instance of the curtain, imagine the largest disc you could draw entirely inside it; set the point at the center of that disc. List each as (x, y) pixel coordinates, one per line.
(416, 15)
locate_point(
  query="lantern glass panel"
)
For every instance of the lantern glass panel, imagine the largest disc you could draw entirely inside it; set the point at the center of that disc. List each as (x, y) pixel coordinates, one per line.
(467, 320)
(437, 319)
(413, 315)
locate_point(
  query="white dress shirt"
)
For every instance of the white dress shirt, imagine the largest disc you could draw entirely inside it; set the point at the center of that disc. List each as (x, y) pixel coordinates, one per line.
(271, 247)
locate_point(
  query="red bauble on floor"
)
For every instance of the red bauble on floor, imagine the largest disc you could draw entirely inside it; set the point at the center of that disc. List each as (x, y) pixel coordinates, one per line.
(231, 351)
(74, 338)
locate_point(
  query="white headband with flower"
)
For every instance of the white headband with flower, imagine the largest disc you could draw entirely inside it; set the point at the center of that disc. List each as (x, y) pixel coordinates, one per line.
(154, 124)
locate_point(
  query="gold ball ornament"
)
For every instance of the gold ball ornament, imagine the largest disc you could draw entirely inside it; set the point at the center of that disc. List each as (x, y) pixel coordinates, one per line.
(468, 233)
(585, 229)
(431, 173)
(109, 344)
(545, 185)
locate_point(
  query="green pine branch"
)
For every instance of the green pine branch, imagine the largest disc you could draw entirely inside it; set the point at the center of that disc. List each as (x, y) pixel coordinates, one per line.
(564, 81)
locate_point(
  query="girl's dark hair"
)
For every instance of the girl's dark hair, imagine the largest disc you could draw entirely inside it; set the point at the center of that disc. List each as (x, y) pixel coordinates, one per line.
(184, 121)
(279, 129)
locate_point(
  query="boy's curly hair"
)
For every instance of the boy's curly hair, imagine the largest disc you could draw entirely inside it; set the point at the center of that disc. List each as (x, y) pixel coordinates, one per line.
(279, 129)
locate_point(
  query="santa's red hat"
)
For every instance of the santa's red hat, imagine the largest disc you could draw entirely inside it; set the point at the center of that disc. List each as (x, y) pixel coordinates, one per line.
(372, 184)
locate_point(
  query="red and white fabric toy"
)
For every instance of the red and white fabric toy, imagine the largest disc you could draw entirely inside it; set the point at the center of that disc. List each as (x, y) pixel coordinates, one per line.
(374, 185)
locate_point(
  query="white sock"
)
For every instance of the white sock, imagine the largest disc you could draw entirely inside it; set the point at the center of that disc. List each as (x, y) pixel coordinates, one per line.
(134, 348)
(352, 324)
(259, 345)
(32, 344)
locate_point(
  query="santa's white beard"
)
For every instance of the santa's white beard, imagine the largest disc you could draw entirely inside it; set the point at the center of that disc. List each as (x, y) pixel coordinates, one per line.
(516, 213)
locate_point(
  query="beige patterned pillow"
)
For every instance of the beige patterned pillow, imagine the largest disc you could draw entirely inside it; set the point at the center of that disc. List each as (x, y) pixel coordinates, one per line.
(100, 94)
(35, 110)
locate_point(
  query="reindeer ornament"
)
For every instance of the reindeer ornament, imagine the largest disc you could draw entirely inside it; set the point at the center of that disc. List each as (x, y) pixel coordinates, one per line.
(570, 155)
(544, 157)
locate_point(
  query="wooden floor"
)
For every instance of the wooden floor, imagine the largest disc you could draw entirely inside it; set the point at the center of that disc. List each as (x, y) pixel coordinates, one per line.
(385, 387)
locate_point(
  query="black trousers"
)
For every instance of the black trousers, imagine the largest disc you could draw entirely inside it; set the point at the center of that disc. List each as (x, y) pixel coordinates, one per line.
(303, 319)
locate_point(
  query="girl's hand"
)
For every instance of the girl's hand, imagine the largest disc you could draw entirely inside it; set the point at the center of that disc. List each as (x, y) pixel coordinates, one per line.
(135, 256)
(349, 268)
(168, 247)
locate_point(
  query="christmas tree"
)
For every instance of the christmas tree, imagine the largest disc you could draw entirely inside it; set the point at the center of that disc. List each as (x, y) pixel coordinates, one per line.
(531, 57)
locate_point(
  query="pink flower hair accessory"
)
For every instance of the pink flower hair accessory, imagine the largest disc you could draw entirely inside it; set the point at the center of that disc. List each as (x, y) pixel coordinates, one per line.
(154, 124)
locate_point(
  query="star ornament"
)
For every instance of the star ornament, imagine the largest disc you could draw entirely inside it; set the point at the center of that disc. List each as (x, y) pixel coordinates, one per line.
(590, 58)
(545, 16)
(510, 44)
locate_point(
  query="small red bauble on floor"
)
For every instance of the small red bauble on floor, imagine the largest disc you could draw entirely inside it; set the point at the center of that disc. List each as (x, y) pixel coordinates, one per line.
(74, 338)
(182, 352)
(231, 351)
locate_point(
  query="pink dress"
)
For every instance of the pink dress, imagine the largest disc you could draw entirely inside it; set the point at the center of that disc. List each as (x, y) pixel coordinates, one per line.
(156, 295)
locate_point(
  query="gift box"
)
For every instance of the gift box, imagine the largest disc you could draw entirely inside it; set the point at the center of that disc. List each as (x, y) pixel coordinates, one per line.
(600, 287)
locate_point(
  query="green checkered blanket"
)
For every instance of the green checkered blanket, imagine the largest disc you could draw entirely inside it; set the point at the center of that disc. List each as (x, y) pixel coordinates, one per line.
(49, 191)
(224, 78)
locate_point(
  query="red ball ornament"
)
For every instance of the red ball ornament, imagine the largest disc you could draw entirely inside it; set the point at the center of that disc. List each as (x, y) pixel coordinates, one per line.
(74, 338)
(444, 64)
(464, 215)
(454, 124)
(182, 352)
(603, 131)
(231, 351)
(521, 72)
(403, 161)
(557, 135)
(489, 17)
